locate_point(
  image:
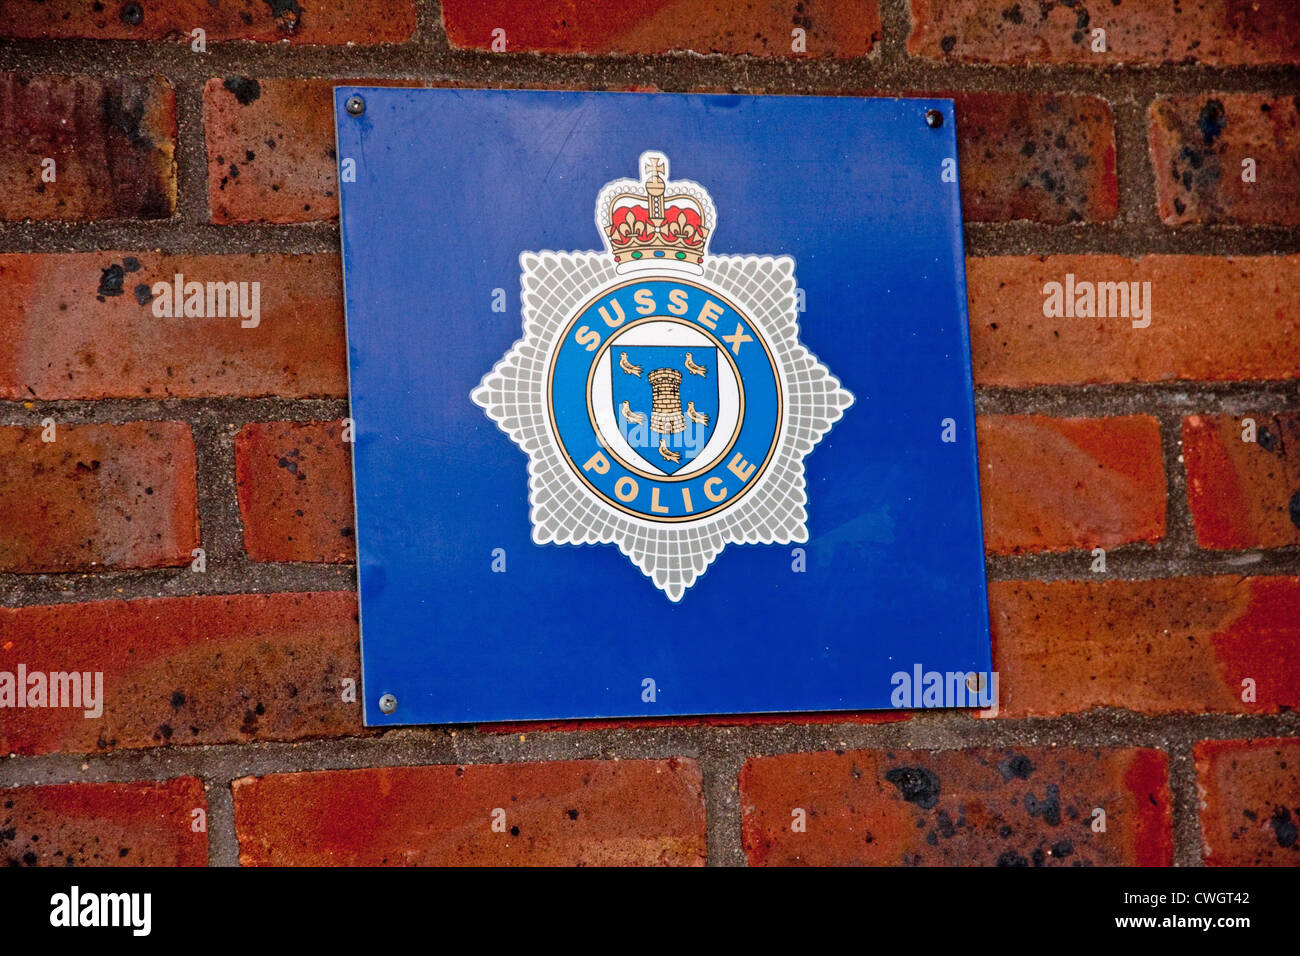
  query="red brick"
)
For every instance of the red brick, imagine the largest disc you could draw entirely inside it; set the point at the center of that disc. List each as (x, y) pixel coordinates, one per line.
(1052, 484)
(594, 812)
(1198, 145)
(112, 140)
(1045, 157)
(287, 126)
(295, 491)
(1211, 32)
(1172, 646)
(193, 670)
(1243, 494)
(834, 28)
(139, 823)
(1212, 319)
(81, 325)
(1249, 801)
(1029, 807)
(114, 496)
(340, 21)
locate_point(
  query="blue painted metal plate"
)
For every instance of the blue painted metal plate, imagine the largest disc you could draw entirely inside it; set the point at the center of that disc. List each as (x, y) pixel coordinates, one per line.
(662, 403)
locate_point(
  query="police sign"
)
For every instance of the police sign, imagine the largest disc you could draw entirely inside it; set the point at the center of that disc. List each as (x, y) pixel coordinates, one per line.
(667, 304)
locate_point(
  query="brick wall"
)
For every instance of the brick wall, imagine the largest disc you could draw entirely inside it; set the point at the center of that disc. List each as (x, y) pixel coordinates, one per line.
(227, 734)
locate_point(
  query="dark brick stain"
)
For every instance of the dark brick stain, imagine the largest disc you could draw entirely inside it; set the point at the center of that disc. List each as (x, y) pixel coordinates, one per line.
(1049, 809)
(110, 281)
(124, 110)
(1284, 826)
(1018, 766)
(943, 823)
(143, 294)
(1211, 121)
(1294, 509)
(287, 13)
(245, 88)
(132, 14)
(916, 784)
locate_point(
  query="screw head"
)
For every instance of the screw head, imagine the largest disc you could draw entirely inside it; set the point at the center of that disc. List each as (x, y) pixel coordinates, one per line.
(387, 704)
(933, 119)
(355, 105)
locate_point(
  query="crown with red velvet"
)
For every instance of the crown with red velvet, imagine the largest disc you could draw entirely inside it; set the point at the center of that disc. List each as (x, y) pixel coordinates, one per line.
(655, 221)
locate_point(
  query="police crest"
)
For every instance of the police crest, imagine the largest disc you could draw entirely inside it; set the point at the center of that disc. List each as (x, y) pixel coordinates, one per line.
(661, 394)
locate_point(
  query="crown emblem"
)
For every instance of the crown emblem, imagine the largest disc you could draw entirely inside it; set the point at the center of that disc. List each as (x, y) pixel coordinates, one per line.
(655, 221)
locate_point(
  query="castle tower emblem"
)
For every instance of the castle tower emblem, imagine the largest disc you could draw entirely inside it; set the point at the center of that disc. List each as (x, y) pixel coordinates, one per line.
(666, 389)
(660, 392)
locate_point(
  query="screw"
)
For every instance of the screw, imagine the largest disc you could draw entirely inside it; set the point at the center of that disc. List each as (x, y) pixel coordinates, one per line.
(387, 704)
(933, 119)
(356, 106)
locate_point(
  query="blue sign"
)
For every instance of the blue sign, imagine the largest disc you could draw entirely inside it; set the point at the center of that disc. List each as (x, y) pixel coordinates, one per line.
(662, 405)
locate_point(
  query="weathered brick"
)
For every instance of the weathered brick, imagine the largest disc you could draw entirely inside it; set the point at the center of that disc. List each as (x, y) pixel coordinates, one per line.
(1178, 645)
(114, 496)
(295, 491)
(339, 21)
(1200, 143)
(1212, 319)
(1208, 32)
(1243, 494)
(271, 155)
(1041, 156)
(1030, 807)
(193, 670)
(112, 140)
(140, 823)
(1052, 484)
(82, 326)
(833, 28)
(593, 812)
(1250, 801)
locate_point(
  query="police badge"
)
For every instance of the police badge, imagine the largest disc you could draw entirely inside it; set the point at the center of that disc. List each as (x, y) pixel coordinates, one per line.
(660, 393)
